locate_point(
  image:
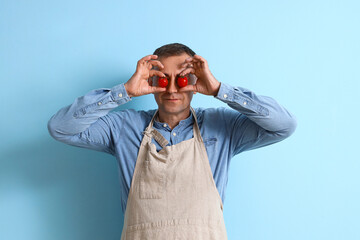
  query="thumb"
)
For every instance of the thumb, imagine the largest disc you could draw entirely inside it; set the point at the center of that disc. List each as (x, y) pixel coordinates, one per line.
(188, 88)
(157, 89)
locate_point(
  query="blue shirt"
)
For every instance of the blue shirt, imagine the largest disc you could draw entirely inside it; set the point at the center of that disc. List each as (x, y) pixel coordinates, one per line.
(250, 122)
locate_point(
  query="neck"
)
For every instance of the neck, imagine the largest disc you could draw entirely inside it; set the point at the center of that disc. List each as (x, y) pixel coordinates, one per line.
(173, 119)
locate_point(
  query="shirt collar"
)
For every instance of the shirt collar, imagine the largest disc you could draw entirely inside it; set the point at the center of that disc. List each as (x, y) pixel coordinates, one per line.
(182, 124)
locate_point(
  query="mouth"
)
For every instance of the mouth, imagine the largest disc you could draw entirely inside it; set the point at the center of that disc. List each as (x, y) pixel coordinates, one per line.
(171, 99)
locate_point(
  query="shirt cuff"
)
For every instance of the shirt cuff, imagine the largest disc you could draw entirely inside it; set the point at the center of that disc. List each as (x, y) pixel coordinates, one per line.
(235, 97)
(225, 93)
(119, 94)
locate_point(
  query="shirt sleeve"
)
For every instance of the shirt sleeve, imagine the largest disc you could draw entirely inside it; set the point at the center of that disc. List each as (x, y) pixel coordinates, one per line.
(257, 121)
(87, 122)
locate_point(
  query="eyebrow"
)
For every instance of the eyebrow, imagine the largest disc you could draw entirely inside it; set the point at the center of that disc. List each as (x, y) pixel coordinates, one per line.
(178, 75)
(168, 75)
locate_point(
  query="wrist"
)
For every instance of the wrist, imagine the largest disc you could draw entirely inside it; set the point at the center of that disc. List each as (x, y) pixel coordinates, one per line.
(217, 89)
(127, 90)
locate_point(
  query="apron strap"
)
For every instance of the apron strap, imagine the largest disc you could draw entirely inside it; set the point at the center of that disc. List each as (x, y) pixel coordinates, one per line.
(159, 138)
(196, 129)
(151, 132)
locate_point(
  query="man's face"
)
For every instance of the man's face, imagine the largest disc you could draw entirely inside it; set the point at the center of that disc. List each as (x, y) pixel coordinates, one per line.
(172, 101)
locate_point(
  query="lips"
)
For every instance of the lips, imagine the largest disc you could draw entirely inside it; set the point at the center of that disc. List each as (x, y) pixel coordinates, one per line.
(170, 98)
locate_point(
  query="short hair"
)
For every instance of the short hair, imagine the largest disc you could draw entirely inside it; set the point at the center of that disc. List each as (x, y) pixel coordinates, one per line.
(173, 49)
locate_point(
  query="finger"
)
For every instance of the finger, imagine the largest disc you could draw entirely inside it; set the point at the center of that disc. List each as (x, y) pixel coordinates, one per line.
(147, 58)
(186, 64)
(200, 59)
(195, 58)
(195, 62)
(188, 88)
(156, 63)
(157, 89)
(187, 71)
(198, 64)
(191, 60)
(156, 73)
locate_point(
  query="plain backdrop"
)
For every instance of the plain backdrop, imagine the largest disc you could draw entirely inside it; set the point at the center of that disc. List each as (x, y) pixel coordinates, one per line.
(305, 54)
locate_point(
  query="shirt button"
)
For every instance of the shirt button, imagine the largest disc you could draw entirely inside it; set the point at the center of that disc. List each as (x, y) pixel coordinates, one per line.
(174, 134)
(165, 125)
(120, 95)
(225, 95)
(99, 103)
(245, 103)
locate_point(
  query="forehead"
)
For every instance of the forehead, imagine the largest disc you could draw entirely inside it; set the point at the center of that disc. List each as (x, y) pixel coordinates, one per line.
(173, 62)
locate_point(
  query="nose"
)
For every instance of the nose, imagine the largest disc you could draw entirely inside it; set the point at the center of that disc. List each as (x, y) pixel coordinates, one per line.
(172, 86)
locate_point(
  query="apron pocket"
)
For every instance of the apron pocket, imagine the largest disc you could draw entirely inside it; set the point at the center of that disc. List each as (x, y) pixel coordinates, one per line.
(152, 180)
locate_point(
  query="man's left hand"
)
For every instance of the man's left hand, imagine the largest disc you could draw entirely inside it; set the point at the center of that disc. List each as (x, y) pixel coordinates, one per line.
(206, 83)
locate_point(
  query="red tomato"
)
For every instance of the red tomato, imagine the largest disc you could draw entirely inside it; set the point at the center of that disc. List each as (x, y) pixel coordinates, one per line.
(163, 82)
(182, 81)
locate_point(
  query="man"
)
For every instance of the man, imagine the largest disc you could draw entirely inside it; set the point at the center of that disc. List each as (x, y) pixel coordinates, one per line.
(174, 160)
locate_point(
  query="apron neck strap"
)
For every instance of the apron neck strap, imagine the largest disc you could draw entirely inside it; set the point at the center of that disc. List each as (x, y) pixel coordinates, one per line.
(196, 129)
(150, 131)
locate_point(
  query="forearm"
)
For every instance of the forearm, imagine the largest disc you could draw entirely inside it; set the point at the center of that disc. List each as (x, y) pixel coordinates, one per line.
(86, 110)
(262, 110)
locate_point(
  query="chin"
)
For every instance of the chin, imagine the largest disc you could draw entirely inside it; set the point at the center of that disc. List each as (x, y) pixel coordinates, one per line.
(173, 109)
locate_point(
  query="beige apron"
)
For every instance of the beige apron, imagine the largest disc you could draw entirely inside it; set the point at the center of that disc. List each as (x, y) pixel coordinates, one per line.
(173, 195)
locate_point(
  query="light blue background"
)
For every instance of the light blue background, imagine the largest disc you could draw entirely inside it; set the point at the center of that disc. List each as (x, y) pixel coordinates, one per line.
(305, 54)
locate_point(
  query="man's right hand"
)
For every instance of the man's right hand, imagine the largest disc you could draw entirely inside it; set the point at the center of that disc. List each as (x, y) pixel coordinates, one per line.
(141, 81)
